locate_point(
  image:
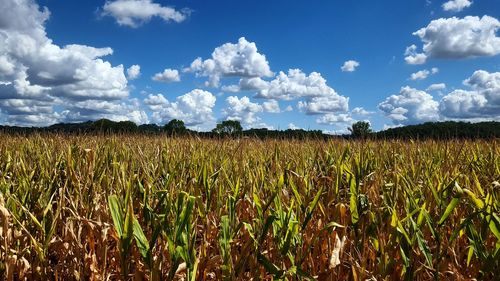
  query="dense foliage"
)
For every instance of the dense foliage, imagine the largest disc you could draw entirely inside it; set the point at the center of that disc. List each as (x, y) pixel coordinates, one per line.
(149, 207)
(231, 128)
(444, 130)
(360, 129)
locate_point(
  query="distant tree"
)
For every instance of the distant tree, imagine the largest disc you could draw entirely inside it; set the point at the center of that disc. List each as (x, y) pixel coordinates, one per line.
(175, 126)
(149, 128)
(228, 127)
(125, 126)
(360, 129)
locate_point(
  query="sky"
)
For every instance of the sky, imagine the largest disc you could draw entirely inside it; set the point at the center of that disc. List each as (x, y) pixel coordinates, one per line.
(277, 64)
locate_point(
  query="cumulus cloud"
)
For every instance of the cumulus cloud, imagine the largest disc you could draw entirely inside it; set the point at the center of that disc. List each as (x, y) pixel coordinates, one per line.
(292, 126)
(41, 81)
(326, 104)
(96, 109)
(295, 84)
(349, 66)
(168, 75)
(335, 119)
(231, 88)
(478, 103)
(134, 72)
(195, 108)
(232, 60)
(463, 104)
(456, 5)
(482, 101)
(315, 94)
(242, 110)
(423, 74)
(412, 57)
(156, 102)
(361, 111)
(271, 106)
(410, 106)
(456, 38)
(133, 13)
(436, 87)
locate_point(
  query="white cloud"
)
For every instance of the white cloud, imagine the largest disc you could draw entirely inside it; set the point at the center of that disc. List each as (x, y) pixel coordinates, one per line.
(391, 126)
(242, 110)
(361, 111)
(271, 106)
(326, 104)
(482, 101)
(350, 66)
(195, 108)
(436, 87)
(134, 13)
(49, 79)
(28, 112)
(289, 108)
(410, 106)
(168, 75)
(420, 75)
(456, 5)
(482, 79)
(463, 104)
(96, 109)
(251, 84)
(232, 60)
(317, 96)
(423, 74)
(134, 72)
(295, 84)
(335, 119)
(412, 57)
(156, 102)
(292, 126)
(231, 88)
(456, 38)
(478, 103)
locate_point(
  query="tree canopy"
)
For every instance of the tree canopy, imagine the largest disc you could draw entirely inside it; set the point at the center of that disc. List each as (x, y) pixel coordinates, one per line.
(430, 130)
(360, 129)
(175, 126)
(228, 127)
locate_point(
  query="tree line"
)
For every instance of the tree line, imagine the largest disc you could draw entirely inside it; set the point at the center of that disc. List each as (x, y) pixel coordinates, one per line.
(233, 128)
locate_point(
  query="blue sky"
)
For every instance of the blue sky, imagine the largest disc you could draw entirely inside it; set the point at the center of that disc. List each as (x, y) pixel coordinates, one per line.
(68, 61)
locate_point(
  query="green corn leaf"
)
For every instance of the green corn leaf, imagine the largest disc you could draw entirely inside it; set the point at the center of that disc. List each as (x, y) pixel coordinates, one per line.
(128, 226)
(353, 201)
(469, 254)
(292, 230)
(311, 208)
(453, 203)
(422, 244)
(493, 226)
(116, 213)
(141, 241)
(421, 215)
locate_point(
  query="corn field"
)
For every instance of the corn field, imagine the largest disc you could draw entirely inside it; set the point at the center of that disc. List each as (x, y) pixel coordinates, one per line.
(155, 208)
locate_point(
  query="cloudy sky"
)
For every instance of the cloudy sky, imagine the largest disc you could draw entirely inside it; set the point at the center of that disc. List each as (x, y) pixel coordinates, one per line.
(275, 64)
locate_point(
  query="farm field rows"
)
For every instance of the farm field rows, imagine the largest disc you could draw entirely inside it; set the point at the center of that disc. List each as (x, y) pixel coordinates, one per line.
(156, 208)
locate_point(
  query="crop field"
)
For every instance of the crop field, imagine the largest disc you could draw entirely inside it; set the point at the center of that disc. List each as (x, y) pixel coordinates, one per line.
(155, 208)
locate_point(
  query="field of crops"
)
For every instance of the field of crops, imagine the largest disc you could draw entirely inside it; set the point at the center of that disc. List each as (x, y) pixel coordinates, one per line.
(152, 208)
